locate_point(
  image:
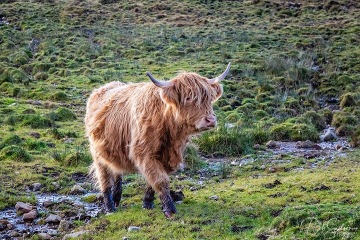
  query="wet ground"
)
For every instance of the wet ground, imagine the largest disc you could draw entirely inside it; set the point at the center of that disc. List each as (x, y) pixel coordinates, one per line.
(67, 207)
(72, 207)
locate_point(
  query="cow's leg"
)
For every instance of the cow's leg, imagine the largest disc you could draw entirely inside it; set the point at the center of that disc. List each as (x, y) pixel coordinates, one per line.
(105, 181)
(149, 197)
(158, 179)
(117, 190)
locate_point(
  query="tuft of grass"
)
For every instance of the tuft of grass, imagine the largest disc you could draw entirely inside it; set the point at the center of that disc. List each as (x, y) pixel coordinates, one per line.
(227, 141)
(15, 153)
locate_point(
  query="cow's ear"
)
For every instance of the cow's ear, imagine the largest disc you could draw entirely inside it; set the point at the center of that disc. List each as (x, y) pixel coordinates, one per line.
(218, 91)
(169, 96)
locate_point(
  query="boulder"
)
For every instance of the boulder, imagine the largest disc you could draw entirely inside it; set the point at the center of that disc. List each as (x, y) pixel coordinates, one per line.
(23, 207)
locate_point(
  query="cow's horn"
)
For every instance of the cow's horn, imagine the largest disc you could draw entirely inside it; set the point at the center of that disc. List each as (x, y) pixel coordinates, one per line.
(158, 83)
(221, 77)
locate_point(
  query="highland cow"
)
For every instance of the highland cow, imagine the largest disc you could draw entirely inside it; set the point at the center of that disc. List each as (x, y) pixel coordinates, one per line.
(143, 127)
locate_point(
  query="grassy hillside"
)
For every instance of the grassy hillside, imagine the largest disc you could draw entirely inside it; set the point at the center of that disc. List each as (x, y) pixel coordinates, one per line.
(295, 71)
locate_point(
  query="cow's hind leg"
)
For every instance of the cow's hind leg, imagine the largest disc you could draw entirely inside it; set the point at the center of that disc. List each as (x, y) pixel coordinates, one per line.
(149, 197)
(117, 190)
(105, 181)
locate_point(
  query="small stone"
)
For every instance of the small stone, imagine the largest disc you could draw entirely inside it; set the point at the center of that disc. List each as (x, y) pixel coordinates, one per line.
(56, 185)
(234, 163)
(44, 236)
(14, 233)
(338, 147)
(214, 197)
(77, 189)
(125, 238)
(272, 170)
(30, 216)
(3, 224)
(272, 144)
(52, 232)
(64, 226)
(257, 146)
(10, 226)
(23, 207)
(133, 228)
(48, 203)
(52, 218)
(36, 187)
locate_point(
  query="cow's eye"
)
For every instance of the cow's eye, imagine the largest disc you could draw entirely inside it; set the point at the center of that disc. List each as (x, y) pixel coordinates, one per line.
(188, 99)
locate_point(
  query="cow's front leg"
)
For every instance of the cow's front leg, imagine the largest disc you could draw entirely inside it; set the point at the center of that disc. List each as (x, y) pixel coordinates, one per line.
(149, 197)
(117, 190)
(168, 206)
(158, 179)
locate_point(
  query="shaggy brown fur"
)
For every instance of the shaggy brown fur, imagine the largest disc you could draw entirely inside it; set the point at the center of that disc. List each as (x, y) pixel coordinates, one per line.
(140, 127)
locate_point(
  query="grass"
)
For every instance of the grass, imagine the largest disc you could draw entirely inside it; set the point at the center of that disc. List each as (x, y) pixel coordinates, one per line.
(292, 65)
(248, 208)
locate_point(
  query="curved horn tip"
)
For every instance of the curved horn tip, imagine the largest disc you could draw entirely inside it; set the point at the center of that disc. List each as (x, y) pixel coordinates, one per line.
(221, 76)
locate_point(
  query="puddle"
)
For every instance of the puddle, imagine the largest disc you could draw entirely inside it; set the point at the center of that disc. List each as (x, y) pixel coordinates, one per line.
(83, 211)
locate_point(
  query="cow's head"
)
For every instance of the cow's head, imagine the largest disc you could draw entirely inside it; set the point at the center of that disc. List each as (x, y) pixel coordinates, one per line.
(191, 97)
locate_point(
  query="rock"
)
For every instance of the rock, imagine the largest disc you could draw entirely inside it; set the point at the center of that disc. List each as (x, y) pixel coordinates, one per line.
(23, 207)
(308, 144)
(272, 169)
(35, 187)
(273, 184)
(52, 218)
(44, 236)
(257, 146)
(338, 147)
(272, 144)
(329, 135)
(30, 216)
(10, 226)
(125, 238)
(64, 226)
(133, 228)
(214, 197)
(56, 185)
(14, 233)
(3, 224)
(234, 163)
(48, 203)
(52, 232)
(322, 187)
(75, 234)
(77, 189)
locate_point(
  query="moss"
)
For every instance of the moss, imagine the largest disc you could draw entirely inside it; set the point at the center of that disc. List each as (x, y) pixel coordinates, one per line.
(36, 121)
(90, 198)
(344, 118)
(40, 76)
(59, 96)
(355, 137)
(233, 117)
(11, 140)
(15, 153)
(315, 119)
(294, 132)
(349, 100)
(64, 114)
(191, 158)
